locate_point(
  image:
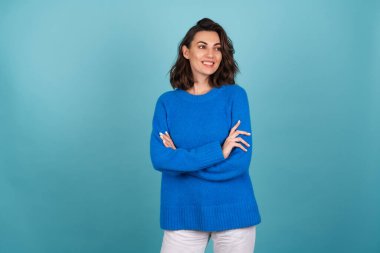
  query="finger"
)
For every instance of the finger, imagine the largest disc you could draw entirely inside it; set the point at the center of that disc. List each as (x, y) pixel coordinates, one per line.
(243, 132)
(168, 136)
(234, 127)
(240, 146)
(162, 136)
(168, 145)
(167, 140)
(172, 145)
(165, 144)
(242, 140)
(240, 132)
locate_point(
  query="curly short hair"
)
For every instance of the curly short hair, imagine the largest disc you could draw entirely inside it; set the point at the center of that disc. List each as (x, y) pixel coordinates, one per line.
(181, 74)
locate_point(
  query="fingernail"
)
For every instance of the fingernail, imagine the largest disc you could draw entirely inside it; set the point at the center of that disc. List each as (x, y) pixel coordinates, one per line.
(239, 120)
(249, 133)
(161, 134)
(166, 132)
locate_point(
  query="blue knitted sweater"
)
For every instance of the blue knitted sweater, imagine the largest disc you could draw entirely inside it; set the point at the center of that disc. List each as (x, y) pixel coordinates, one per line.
(200, 189)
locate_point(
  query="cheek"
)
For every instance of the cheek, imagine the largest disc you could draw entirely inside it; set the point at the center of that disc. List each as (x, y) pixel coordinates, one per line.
(199, 56)
(218, 57)
(195, 58)
(219, 61)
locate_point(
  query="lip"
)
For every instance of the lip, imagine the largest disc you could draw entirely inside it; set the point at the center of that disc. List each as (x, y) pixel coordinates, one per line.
(210, 66)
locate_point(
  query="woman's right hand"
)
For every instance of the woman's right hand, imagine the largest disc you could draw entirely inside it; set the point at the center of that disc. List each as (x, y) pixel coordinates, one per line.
(233, 141)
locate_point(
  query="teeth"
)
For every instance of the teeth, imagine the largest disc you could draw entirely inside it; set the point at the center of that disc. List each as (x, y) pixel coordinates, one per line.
(208, 63)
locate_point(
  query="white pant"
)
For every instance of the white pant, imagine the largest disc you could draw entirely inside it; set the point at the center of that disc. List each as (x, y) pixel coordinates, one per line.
(241, 240)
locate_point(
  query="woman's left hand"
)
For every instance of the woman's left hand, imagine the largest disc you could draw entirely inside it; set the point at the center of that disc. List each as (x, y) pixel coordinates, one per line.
(167, 140)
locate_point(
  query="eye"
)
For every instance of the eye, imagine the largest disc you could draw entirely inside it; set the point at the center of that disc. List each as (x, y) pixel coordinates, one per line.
(201, 46)
(218, 48)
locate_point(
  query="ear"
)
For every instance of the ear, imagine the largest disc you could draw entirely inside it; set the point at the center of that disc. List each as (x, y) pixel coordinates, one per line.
(185, 51)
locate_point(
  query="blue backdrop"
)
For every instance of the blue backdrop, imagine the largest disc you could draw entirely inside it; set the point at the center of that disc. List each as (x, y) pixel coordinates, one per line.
(78, 85)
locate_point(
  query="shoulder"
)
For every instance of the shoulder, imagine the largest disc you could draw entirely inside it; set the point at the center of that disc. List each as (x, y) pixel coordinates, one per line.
(165, 96)
(235, 90)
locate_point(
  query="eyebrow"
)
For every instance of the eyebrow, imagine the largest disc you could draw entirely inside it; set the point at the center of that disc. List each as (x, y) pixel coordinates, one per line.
(206, 43)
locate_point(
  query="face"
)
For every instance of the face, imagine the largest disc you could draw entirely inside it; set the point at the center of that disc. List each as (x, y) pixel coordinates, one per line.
(204, 53)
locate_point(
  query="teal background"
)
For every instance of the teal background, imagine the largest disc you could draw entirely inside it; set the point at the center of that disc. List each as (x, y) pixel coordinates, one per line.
(78, 85)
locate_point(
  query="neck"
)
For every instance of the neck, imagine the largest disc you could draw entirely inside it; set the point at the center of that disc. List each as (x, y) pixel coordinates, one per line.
(200, 88)
(201, 85)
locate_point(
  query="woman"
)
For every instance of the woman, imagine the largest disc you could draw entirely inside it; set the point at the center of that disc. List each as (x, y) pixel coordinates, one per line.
(206, 190)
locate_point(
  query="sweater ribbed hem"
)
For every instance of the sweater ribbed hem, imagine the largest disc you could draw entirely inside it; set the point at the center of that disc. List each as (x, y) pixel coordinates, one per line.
(210, 218)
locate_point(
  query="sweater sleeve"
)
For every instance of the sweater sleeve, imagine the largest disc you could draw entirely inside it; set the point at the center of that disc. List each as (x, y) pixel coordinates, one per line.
(180, 159)
(239, 160)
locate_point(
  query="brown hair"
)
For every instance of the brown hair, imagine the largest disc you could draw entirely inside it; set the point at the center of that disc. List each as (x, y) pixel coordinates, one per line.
(181, 75)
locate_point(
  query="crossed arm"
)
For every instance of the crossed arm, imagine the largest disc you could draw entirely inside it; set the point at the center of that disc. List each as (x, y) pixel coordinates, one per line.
(210, 161)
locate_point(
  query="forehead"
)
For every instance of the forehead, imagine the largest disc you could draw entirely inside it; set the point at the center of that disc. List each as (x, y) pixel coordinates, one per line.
(210, 37)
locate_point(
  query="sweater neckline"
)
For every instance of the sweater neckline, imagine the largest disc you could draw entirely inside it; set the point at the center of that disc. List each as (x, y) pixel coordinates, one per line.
(199, 98)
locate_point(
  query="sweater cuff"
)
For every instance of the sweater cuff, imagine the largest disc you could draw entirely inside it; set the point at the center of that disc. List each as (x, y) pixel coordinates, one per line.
(212, 153)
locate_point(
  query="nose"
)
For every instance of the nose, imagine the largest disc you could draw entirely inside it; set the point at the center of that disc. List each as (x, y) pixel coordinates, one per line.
(210, 53)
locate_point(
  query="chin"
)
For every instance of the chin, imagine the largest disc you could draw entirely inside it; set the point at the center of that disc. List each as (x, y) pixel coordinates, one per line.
(210, 72)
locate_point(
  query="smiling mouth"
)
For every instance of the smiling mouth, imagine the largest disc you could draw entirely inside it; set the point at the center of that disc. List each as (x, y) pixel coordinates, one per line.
(208, 63)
